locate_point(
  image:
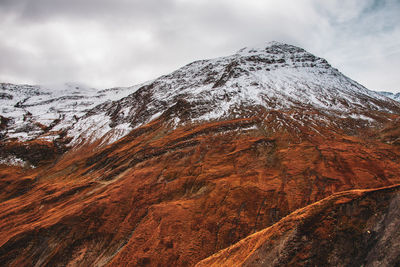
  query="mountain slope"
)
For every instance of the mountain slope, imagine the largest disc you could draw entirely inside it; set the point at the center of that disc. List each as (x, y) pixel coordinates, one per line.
(39, 117)
(43, 112)
(173, 197)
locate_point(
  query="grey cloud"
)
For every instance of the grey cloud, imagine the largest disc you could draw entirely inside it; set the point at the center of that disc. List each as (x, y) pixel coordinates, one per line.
(42, 10)
(108, 43)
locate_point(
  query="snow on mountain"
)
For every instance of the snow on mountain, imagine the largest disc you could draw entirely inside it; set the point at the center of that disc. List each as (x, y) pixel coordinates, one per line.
(42, 112)
(274, 76)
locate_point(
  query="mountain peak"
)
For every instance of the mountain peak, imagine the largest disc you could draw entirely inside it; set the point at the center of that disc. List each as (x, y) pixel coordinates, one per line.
(272, 47)
(277, 55)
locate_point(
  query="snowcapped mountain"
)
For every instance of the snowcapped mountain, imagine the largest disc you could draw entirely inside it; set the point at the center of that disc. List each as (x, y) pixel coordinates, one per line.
(273, 77)
(260, 79)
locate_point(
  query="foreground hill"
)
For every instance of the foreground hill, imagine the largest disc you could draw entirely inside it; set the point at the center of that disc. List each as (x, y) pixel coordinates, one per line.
(210, 154)
(351, 228)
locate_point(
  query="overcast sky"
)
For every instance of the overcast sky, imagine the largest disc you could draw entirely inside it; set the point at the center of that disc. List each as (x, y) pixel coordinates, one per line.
(107, 43)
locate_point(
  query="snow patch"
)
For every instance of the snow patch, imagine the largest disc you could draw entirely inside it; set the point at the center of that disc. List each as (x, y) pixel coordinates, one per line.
(15, 161)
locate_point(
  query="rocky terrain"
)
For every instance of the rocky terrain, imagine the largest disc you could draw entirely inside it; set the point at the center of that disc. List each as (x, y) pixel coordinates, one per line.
(172, 171)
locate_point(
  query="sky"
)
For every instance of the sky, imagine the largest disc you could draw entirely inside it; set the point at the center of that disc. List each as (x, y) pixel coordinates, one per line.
(109, 43)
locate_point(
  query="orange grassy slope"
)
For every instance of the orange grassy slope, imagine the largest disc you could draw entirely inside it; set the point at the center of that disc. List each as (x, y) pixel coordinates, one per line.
(172, 197)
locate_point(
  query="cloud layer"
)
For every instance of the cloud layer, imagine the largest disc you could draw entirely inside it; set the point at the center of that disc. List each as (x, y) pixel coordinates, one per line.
(107, 43)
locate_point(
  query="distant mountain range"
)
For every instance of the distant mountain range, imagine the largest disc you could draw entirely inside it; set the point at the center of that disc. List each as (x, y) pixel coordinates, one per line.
(395, 96)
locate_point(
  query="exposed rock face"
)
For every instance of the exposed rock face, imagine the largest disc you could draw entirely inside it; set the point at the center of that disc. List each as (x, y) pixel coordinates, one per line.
(353, 228)
(193, 162)
(31, 152)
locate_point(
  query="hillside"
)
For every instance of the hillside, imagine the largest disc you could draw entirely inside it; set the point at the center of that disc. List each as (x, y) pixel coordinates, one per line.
(358, 227)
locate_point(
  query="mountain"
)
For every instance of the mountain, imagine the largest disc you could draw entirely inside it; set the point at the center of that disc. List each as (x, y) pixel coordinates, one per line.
(275, 77)
(395, 96)
(179, 168)
(37, 113)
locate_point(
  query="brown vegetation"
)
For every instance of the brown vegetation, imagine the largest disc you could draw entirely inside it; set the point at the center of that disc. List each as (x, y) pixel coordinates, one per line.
(166, 197)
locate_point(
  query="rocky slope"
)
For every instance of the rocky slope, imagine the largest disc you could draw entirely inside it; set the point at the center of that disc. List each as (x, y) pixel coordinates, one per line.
(209, 154)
